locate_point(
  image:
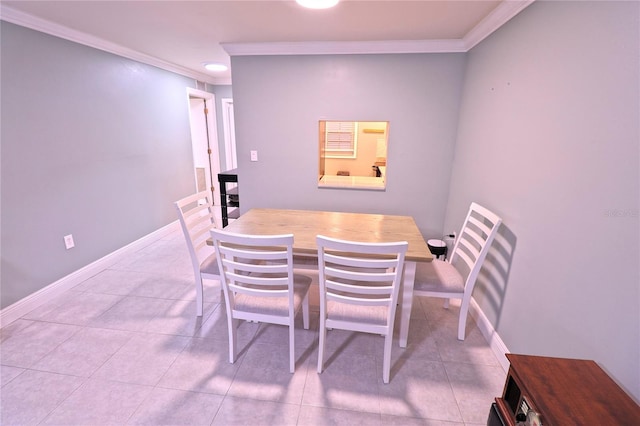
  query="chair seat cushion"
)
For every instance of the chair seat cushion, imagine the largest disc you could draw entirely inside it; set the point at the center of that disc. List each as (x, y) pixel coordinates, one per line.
(374, 315)
(438, 275)
(210, 266)
(274, 305)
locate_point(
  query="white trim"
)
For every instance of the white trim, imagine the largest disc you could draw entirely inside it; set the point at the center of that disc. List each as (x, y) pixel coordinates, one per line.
(343, 47)
(212, 128)
(497, 18)
(32, 301)
(231, 157)
(197, 93)
(491, 336)
(29, 21)
(214, 145)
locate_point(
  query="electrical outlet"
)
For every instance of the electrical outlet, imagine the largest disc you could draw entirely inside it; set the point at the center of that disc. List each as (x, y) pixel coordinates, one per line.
(254, 155)
(68, 241)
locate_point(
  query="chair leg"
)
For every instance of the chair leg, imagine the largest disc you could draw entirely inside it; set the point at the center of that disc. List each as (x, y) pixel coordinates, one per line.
(232, 338)
(322, 335)
(199, 295)
(305, 311)
(462, 320)
(292, 356)
(386, 364)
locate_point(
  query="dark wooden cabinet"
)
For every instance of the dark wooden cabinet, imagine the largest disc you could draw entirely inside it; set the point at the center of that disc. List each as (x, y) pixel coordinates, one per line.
(229, 197)
(563, 392)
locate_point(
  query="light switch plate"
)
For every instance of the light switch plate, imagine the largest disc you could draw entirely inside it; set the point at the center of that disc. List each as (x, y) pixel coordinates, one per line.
(68, 241)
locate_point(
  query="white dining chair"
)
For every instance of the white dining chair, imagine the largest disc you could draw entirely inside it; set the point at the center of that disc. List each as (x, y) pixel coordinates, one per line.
(359, 284)
(456, 277)
(195, 213)
(259, 283)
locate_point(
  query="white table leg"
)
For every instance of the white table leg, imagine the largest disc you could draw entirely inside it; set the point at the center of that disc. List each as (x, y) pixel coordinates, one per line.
(408, 280)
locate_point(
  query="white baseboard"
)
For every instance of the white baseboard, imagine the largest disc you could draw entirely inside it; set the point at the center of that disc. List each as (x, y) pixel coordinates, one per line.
(486, 328)
(29, 303)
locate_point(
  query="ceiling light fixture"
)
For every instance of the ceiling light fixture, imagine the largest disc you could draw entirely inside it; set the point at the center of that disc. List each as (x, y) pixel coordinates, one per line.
(216, 67)
(317, 4)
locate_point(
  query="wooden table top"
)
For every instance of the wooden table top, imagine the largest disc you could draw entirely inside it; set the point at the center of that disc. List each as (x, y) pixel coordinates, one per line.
(305, 225)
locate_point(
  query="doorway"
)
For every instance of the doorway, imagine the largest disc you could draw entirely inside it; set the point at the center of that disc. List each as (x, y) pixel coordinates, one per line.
(231, 158)
(204, 143)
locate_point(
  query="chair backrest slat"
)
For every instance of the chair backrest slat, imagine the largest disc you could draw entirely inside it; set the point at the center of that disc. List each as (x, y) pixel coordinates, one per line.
(480, 225)
(255, 253)
(362, 301)
(365, 262)
(256, 265)
(196, 217)
(359, 273)
(473, 242)
(468, 260)
(359, 276)
(360, 288)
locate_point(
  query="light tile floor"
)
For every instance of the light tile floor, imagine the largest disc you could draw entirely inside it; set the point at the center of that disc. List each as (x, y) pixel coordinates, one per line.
(125, 347)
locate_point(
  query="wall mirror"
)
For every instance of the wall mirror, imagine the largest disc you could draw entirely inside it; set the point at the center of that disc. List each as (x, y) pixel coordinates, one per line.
(353, 154)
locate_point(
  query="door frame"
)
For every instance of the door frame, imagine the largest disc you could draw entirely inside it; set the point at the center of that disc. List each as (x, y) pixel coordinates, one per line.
(212, 132)
(231, 156)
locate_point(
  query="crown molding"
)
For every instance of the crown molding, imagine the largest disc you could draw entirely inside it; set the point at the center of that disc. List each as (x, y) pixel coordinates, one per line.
(29, 21)
(494, 20)
(343, 47)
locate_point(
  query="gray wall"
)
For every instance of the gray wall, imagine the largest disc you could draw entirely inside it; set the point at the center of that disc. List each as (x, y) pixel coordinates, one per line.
(279, 100)
(93, 145)
(549, 138)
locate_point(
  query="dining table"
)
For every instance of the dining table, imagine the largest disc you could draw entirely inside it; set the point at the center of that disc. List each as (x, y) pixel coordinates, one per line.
(306, 225)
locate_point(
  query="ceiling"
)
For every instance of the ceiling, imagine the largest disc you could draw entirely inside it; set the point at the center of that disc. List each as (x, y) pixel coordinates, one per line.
(182, 35)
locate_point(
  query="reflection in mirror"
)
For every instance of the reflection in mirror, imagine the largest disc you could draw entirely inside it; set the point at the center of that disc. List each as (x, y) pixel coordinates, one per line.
(353, 154)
